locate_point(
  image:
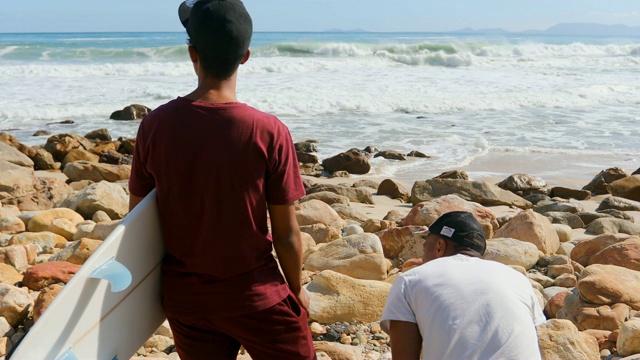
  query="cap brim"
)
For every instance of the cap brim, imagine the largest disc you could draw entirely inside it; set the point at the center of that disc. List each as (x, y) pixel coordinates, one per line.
(184, 11)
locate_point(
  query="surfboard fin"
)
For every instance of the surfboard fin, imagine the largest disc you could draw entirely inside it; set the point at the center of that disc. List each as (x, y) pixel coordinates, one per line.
(68, 355)
(115, 273)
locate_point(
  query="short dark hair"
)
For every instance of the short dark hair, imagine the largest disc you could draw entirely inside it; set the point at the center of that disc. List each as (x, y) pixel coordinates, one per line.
(217, 67)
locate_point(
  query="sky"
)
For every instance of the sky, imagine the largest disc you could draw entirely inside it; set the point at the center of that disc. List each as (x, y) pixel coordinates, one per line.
(321, 15)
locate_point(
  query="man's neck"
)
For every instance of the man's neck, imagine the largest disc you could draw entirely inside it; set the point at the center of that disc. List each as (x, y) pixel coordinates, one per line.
(215, 91)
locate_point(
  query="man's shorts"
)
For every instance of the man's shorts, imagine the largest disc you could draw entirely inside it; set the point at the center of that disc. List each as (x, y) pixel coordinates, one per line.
(279, 332)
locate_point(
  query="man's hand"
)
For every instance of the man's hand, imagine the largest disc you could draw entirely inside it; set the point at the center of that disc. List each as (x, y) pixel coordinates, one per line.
(303, 299)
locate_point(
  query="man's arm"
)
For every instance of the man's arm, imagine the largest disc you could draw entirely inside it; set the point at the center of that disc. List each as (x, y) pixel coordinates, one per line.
(134, 201)
(406, 341)
(288, 245)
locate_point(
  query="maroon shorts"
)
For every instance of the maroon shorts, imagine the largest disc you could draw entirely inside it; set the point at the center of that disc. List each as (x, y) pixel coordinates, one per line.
(278, 332)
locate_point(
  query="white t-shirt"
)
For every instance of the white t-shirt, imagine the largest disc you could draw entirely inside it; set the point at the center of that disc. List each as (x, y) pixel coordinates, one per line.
(467, 308)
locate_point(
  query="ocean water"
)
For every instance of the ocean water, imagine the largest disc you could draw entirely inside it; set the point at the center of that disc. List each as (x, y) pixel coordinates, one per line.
(557, 106)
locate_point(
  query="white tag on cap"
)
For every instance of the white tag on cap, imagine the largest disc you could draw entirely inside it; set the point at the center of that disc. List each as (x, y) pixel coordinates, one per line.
(447, 231)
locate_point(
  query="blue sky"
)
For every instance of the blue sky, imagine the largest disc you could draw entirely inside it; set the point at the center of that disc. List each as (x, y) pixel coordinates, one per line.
(320, 15)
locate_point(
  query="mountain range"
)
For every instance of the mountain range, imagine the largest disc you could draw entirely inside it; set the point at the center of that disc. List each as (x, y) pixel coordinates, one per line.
(567, 29)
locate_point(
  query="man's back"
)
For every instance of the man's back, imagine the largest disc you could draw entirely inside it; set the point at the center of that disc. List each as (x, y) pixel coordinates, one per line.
(468, 308)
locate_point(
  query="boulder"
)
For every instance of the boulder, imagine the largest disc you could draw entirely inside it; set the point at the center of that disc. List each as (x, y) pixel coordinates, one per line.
(336, 297)
(554, 304)
(59, 145)
(613, 226)
(360, 195)
(42, 221)
(359, 256)
(483, 193)
(589, 247)
(391, 155)
(42, 275)
(101, 196)
(545, 206)
(610, 284)
(588, 217)
(18, 256)
(321, 233)
(531, 227)
(9, 274)
(629, 338)
(306, 146)
(564, 218)
(598, 185)
(11, 225)
(375, 225)
(131, 112)
(348, 213)
(327, 197)
(564, 232)
(402, 242)
(616, 203)
(512, 252)
(43, 160)
(425, 213)
(44, 299)
(337, 351)
(45, 240)
(317, 212)
(100, 134)
(592, 316)
(353, 161)
(394, 190)
(625, 254)
(19, 186)
(96, 172)
(567, 193)
(524, 184)
(79, 155)
(10, 154)
(628, 188)
(14, 304)
(453, 174)
(77, 252)
(11, 140)
(560, 340)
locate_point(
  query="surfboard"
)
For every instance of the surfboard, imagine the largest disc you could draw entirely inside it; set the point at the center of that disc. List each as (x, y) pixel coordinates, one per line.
(111, 306)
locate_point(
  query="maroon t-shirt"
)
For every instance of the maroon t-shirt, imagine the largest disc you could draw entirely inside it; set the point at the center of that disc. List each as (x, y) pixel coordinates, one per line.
(215, 168)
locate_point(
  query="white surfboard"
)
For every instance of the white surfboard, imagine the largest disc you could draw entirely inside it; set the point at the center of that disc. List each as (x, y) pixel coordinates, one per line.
(111, 306)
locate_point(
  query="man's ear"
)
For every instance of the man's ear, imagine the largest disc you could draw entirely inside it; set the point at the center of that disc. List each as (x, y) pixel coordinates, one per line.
(193, 54)
(246, 57)
(441, 247)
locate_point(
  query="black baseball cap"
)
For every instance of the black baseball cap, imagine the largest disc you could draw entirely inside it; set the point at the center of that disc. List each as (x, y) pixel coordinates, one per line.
(221, 28)
(462, 228)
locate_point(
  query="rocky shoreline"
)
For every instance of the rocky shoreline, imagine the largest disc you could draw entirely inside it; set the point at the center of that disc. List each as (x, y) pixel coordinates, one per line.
(580, 247)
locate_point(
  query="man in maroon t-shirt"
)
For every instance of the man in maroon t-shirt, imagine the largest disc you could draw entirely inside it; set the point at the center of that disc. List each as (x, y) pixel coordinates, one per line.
(219, 166)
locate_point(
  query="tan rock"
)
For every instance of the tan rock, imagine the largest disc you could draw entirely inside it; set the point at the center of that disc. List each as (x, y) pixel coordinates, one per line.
(44, 299)
(337, 351)
(589, 247)
(531, 227)
(9, 274)
(564, 232)
(321, 233)
(101, 196)
(394, 190)
(11, 224)
(64, 228)
(14, 304)
(101, 231)
(510, 251)
(560, 340)
(42, 220)
(554, 271)
(327, 197)
(613, 226)
(629, 338)
(96, 172)
(60, 144)
(402, 242)
(425, 213)
(628, 187)
(610, 284)
(359, 256)
(336, 297)
(77, 252)
(45, 240)
(9, 210)
(625, 254)
(375, 225)
(565, 280)
(317, 212)
(10, 154)
(158, 342)
(100, 216)
(18, 256)
(85, 229)
(410, 264)
(79, 155)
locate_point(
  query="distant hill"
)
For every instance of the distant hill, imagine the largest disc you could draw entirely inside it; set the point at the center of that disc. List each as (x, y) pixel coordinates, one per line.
(567, 29)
